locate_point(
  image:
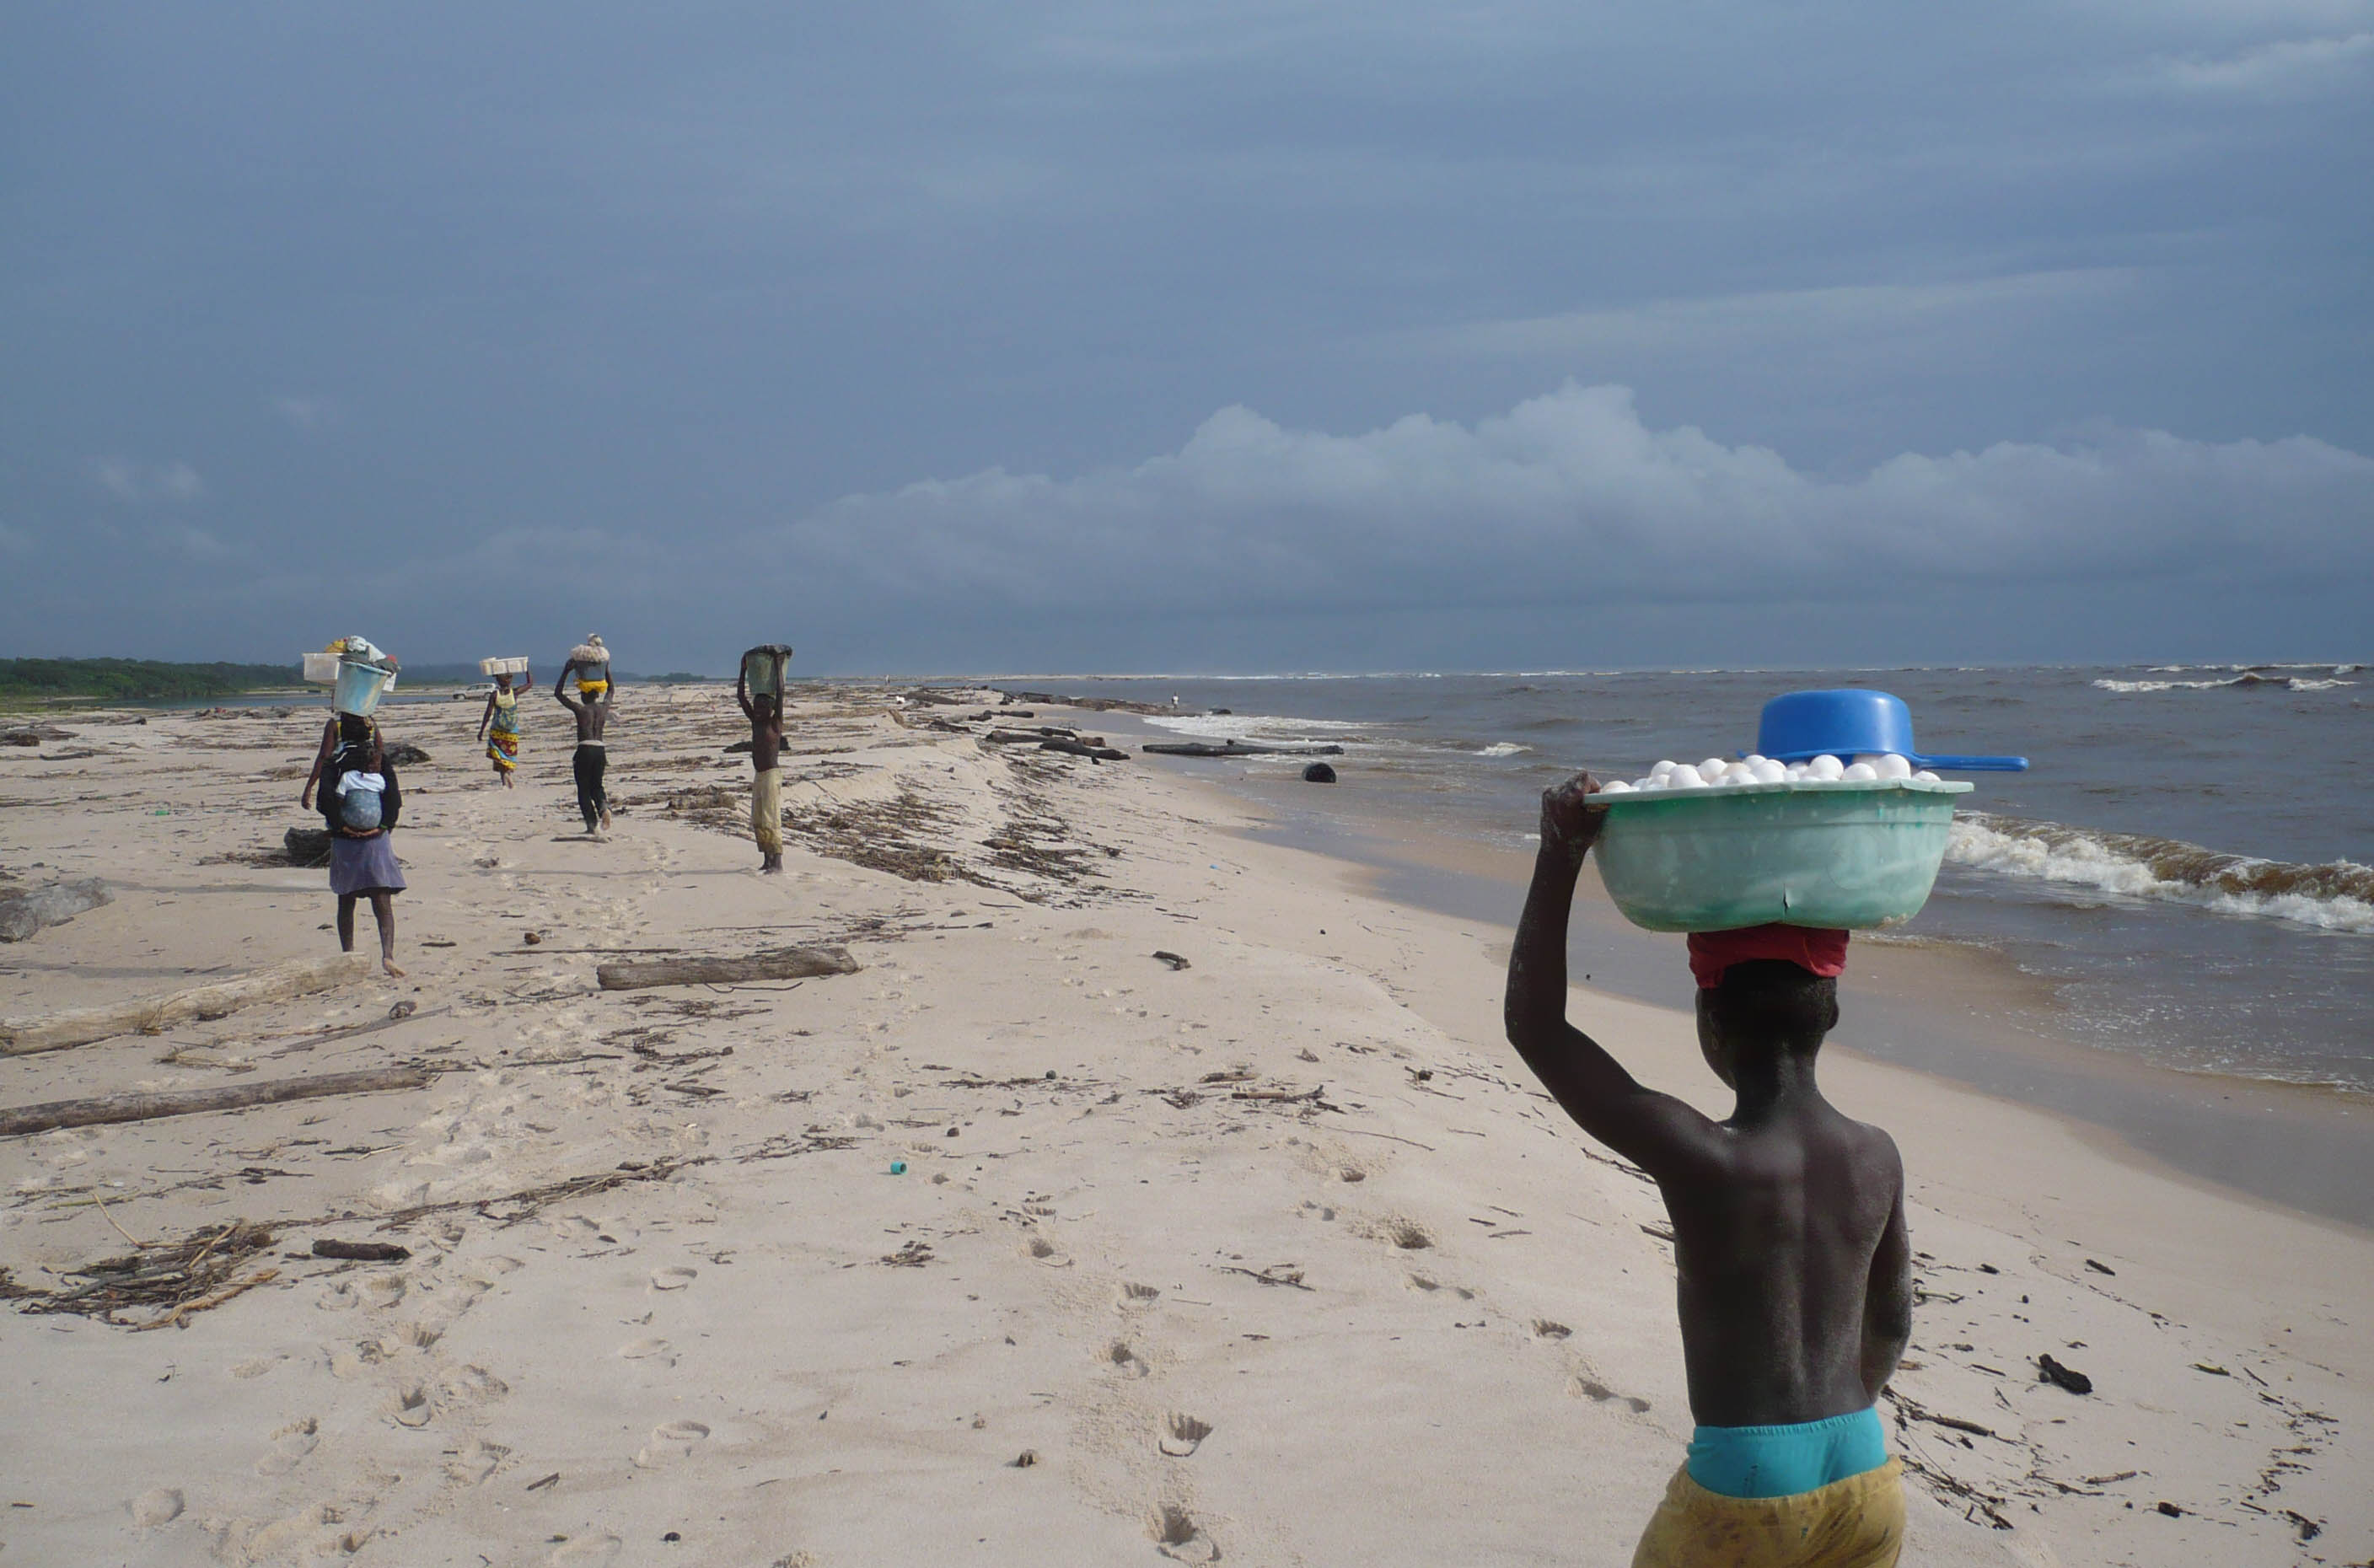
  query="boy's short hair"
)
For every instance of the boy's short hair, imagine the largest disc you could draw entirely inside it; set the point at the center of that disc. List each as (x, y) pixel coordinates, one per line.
(1774, 1000)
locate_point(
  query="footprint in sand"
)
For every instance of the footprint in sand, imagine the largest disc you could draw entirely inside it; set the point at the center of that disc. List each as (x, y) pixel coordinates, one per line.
(658, 1351)
(670, 1441)
(673, 1278)
(1548, 1329)
(382, 1290)
(419, 1335)
(1586, 1388)
(290, 1446)
(1127, 1359)
(1177, 1536)
(476, 1460)
(1047, 1253)
(1423, 1283)
(157, 1505)
(412, 1407)
(1135, 1295)
(1179, 1434)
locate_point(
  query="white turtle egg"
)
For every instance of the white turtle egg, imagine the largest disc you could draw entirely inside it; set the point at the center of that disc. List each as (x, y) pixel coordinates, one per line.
(1615, 786)
(1825, 766)
(1925, 776)
(1793, 771)
(1753, 758)
(1860, 772)
(1685, 778)
(1770, 771)
(1664, 766)
(1710, 771)
(1893, 767)
(1739, 773)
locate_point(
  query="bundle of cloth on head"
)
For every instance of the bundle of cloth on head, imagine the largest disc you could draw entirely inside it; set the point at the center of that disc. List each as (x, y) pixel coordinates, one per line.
(1818, 952)
(592, 662)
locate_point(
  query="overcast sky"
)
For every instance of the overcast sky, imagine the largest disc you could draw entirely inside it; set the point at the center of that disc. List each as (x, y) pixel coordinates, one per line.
(1231, 335)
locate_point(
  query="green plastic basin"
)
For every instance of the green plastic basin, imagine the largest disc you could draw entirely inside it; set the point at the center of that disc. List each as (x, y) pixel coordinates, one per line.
(1852, 854)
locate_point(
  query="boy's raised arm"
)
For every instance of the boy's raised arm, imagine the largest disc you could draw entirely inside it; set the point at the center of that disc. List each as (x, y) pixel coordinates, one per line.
(1655, 1131)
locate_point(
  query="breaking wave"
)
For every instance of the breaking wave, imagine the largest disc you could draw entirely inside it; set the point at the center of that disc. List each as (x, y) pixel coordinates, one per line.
(2335, 896)
(2247, 677)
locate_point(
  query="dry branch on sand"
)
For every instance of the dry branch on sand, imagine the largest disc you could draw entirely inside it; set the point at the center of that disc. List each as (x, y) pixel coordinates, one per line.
(786, 963)
(148, 1107)
(153, 1015)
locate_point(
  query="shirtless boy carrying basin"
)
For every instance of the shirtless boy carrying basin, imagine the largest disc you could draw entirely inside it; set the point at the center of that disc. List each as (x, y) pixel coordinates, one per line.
(1795, 1286)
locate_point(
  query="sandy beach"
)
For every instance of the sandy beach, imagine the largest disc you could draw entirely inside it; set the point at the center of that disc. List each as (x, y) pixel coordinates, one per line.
(1019, 1243)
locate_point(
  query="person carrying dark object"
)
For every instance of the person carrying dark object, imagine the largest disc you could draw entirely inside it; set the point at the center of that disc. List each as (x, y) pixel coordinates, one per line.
(1796, 1288)
(591, 757)
(765, 711)
(360, 803)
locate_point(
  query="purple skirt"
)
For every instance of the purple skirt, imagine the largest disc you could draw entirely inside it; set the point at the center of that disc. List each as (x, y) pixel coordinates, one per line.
(364, 866)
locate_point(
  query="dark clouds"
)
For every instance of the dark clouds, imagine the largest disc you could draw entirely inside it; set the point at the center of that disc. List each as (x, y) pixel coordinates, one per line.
(661, 319)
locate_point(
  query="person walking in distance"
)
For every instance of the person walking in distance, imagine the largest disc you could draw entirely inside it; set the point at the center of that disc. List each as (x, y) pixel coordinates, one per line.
(592, 757)
(360, 803)
(765, 711)
(498, 727)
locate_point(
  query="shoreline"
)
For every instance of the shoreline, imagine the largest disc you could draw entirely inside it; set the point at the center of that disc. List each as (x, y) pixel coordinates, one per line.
(1298, 1196)
(2304, 1147)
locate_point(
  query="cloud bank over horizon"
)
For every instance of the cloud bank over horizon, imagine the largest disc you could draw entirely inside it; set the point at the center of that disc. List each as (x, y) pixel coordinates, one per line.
(1566, 526)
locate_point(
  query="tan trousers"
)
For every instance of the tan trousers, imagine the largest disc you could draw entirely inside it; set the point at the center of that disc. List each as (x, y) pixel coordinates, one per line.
(1856, 1523)
(767, 811)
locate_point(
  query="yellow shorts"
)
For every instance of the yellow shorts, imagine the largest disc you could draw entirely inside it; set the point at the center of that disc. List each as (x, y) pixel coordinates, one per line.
(1854, 1523)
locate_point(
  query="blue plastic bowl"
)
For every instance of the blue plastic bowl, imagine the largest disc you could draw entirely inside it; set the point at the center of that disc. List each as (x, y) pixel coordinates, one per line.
(1851, 722)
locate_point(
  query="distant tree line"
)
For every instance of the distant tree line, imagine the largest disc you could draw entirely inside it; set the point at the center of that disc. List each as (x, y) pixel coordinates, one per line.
(130, 679)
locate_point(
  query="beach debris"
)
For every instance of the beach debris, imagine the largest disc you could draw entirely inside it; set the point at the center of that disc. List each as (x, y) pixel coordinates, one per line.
(144, 1107)
(1319, 773)
(33, 735)
(404, 754)
(2060, 1376)
(362, 1252)
(1173, 959)
(542, 1481)
(533, 938)
(154, 1014)
(1023, 1461)
(1099, 754)
(913, 1254)
(1237, 749)
(173, 1278)
(24, 910)
(2101, 1268)
(2170, 1509)
(1274, 1274)
(782, 963)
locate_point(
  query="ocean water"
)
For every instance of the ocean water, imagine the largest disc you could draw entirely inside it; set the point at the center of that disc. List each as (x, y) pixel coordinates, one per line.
(2189, 863)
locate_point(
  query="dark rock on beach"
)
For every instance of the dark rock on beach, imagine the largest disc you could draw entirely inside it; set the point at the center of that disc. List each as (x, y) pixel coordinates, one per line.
(24, 910)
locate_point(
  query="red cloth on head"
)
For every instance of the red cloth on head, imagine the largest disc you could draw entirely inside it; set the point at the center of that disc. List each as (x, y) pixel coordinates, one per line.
(1820, 952)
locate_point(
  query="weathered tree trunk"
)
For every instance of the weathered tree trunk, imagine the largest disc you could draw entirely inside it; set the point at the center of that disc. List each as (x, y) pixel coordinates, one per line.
(788, 963)
(189, 1101)
(24, 910)
(152, 1015)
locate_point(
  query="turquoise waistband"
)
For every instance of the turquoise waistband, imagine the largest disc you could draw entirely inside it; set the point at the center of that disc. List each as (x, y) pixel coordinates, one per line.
(1780, 1461)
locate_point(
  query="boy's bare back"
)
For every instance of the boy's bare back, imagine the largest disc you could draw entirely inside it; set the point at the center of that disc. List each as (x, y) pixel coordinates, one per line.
(1794, 1265)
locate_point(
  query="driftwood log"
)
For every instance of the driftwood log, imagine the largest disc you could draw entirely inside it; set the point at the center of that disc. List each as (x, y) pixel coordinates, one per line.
(189, 1101)
(151, 1015)
(1234, 748)
(24, 910)
(1084, 748)
(786, 963)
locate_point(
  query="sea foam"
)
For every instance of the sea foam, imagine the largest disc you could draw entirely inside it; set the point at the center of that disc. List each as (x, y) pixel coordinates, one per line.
(2337, 895)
